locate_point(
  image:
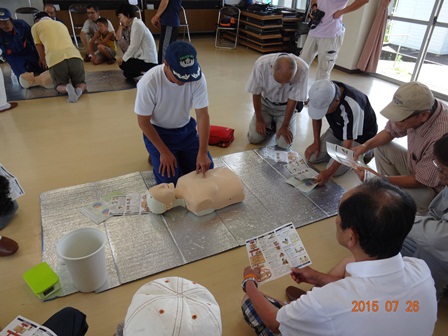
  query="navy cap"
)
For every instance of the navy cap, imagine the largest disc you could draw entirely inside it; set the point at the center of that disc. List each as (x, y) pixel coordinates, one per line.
(182, 58)
(5, 14)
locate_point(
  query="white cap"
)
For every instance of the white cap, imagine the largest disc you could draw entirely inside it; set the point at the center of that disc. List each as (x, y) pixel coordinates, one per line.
(409, 98)
(321, 95)
(173, 306)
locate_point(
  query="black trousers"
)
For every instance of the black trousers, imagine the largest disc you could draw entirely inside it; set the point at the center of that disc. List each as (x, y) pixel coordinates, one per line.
(168, 35)
(134, 67)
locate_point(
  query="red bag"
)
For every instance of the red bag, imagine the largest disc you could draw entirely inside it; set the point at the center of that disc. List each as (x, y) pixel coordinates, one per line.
(221, 136)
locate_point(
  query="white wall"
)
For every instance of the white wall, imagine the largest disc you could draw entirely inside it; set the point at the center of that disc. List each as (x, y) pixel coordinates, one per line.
(357, 27)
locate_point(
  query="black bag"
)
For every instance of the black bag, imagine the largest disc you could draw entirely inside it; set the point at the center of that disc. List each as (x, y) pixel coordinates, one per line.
(316, 18)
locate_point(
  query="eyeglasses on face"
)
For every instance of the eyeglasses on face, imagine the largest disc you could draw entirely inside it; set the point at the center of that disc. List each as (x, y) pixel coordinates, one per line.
(439, 169)
(414, 114)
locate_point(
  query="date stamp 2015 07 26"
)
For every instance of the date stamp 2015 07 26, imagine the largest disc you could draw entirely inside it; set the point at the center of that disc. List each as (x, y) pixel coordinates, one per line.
(390, 306)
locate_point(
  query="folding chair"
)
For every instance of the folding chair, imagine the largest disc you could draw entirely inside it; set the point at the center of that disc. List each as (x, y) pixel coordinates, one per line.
(77, 10)
(26, 10)
(228, 22)
(184, 23)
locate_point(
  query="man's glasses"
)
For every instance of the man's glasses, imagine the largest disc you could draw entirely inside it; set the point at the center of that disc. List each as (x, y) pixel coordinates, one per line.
(414, 114)
(90, 13)
(439, 169)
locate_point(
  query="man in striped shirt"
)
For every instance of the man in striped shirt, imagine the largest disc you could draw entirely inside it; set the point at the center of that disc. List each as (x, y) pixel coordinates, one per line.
(351, 118)
(414, 113)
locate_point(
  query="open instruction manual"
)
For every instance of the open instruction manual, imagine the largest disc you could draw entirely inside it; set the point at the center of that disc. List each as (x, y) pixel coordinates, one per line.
(276, 252)
(303, 177)
(345, 156)
(22, 326)
(116, 204)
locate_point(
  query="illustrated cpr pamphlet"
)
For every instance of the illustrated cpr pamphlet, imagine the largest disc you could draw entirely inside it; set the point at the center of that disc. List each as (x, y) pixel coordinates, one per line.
(280, 155)
(132, 204)
(303, 177)
(22, 326)
(276, 252)
(345, 156)
(116, 204)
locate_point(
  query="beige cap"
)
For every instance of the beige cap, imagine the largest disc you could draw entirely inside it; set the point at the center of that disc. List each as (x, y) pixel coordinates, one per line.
(408, 98)
(173, 306)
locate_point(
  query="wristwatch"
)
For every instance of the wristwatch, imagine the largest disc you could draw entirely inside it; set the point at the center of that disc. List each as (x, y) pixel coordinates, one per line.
(243, 285)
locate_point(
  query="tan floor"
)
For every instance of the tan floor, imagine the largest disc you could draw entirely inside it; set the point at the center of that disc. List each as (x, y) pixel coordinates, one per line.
(48, 144)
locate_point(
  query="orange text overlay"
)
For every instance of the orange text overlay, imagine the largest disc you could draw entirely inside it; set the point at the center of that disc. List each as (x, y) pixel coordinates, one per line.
(389, 306)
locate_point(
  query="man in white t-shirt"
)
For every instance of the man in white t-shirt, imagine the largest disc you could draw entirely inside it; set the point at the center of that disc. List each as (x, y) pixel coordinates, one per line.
(165, 96)
(373, 292)
(325, 39)
(90, 28)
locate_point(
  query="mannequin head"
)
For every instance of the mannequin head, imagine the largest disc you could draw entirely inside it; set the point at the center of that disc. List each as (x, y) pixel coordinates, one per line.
(161, 197)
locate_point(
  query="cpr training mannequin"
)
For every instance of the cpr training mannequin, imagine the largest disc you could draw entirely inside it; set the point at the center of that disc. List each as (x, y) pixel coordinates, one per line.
(201, 195)
(28, 79)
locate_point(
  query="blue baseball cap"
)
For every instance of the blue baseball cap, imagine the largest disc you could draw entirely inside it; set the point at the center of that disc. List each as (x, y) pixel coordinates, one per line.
(182, 58)
(5, 14)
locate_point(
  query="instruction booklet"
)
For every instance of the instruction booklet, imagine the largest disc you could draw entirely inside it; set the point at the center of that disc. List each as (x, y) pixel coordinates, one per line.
(276, 252)
(116, 204)
(22, 326)
(303, 177)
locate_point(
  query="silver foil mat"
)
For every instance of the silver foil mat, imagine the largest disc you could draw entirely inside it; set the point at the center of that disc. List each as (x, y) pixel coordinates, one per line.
(142, 245)
(97, 81)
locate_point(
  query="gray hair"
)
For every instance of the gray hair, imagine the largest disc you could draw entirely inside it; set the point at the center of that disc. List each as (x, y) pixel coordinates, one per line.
(285, 64)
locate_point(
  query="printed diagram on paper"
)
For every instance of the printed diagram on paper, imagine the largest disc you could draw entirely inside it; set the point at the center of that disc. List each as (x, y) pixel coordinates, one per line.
(15, 189)
(25, 327)
(133, 204)
(303, 177)
(281, 155)
(116, 204)
(276, 252)
(345, 156)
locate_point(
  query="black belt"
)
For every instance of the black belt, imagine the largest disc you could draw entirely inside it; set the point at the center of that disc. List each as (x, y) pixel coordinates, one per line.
(277, 104)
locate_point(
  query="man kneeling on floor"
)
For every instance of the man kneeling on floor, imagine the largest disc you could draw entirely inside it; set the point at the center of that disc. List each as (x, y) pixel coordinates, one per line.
(379, 293)
(57, 52)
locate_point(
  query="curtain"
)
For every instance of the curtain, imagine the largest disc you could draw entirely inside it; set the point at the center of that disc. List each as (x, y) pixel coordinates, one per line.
(368, 61)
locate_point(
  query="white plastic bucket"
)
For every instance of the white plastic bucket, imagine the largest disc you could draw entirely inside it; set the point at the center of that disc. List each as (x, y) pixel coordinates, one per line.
(83, 252)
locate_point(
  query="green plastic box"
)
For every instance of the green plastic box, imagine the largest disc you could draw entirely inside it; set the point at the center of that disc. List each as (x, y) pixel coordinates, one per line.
(42, 280)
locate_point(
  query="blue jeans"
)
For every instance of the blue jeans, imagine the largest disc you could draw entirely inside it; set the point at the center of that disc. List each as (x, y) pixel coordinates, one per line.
(183, 142)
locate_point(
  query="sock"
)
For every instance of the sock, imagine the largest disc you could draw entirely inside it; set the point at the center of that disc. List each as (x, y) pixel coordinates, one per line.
(72, 97)
(78, 92)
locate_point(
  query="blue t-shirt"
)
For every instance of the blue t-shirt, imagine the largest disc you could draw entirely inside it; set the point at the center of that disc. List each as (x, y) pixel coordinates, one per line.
(170, 16)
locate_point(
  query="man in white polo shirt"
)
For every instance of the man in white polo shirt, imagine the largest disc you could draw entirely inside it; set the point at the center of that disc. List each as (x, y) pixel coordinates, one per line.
(375, 292)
